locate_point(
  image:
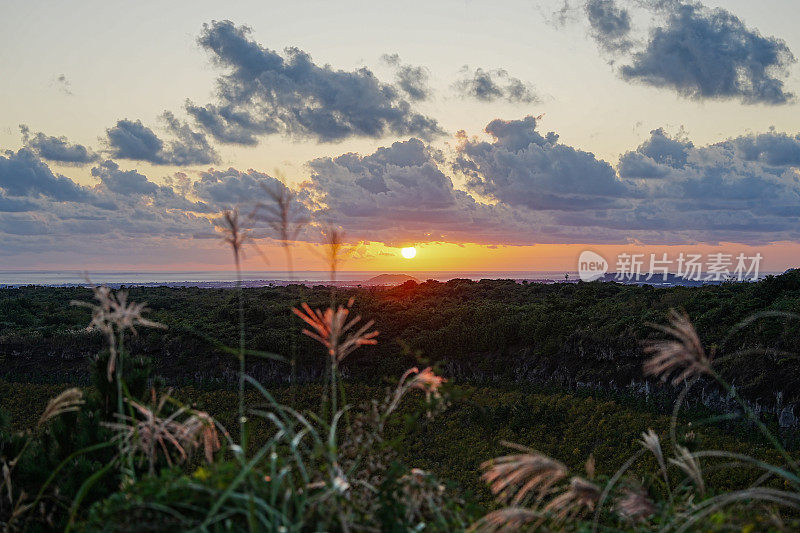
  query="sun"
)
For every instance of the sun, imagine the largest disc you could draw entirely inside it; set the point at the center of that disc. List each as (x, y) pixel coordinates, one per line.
(409, 252)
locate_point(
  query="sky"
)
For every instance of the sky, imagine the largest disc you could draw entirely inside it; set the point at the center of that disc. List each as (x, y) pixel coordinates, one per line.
(490, 135)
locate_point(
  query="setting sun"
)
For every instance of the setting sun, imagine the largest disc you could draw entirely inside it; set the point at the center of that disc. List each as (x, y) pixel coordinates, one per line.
(409, 253)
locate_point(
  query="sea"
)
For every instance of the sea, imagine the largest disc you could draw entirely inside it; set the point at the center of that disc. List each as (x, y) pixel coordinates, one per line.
(16, 278)
(348, 278)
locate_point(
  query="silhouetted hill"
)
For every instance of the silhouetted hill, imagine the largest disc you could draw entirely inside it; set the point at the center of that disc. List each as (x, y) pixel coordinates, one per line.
(390, 279)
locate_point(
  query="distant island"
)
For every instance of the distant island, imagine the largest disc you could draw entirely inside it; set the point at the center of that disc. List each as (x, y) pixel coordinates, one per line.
(390, 279)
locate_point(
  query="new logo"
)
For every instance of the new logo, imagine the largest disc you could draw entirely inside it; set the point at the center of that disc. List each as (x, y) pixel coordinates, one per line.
(591, 266)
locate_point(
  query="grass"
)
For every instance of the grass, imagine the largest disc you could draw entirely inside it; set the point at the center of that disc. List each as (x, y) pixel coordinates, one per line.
(470, 431)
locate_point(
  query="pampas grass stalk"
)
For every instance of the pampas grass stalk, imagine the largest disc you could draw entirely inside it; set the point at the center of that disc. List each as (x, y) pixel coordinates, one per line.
(113, 315)
(281, 215)
(235, 235)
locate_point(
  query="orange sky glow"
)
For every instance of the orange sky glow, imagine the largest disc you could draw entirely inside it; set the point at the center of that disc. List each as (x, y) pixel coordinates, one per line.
(777, 257)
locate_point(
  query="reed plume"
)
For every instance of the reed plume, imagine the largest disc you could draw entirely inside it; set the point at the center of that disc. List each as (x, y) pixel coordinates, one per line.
(235, 234)
(682, 356)
(332, 329)
(634, 504)
(426, 381)
(651, 442)
(508, 519)
(282, 217)
(68, 401)
(112, 315)
(333, 240)
(513, 477)
(203, 426)
(686, 461)
(581, 496)
(149, 433)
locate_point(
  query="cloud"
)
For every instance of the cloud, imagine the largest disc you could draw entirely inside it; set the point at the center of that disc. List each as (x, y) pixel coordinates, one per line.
(492, 85)
(265, 93)
(655, 156)
(126, 183)
(667, 190)
(45, 212)
(518, 186)
(521, 167)
(716, 192)
(610, 25)
(412, 80)
(252, 193)
(57, 149)
(133, 140)
(103, 233)
(229, 188)
(63, 84)
(136, 188)
(190, 147)
(229, 125)
(16, 205)
(523, 186)
(707, 53)
(399, 194)
(24, 174)
(719, 176)
(770, 148)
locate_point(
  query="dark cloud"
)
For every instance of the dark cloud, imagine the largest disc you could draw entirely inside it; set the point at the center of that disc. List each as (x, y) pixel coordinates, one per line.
(226, 189)
(24, 174)
(124, 182)
(713, 193)
(16, 205)
(718, 177)
(412, 80)
(400, 194)
(707, 53)
(770, 148)
(635, 165)
(137, 188)
(492, 85)
(123, 218)
(610, 25)
(133, 140)
(665, 149)
(125, 210)
(521, 167)
(229, 125)
(107, 232)
(189, 147)
(252, 193)
(57, 148)
(655, 157)
(266, 93)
